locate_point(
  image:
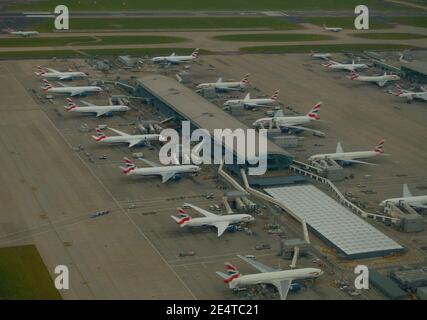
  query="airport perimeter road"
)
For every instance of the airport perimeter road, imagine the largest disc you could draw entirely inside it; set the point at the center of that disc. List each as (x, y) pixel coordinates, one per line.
(206, 39)
(47, 198)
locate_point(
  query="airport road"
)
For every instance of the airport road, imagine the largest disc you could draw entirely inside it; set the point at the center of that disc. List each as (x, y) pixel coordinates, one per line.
(47, 199)
(205, 38)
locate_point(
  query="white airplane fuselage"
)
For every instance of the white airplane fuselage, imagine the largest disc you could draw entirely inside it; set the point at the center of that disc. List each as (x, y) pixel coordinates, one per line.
(62, 75)
(100, 109)
(348, 66)
(131, 138)
(324, 56)
(269, 277)
(413, 201)
(238, 85)
(258, 101)
(153, 171)
(342, 156)
(74, 90)
(173, 59)
(410, 95)
(284, 121)
(231, 219)
(24, 33)
(380, 80)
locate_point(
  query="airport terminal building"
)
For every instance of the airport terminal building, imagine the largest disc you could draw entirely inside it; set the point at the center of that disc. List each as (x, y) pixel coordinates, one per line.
(171, 98)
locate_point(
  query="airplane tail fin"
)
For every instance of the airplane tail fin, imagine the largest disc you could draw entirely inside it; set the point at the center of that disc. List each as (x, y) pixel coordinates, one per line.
(399, 90)
(70, 104)
(314, 112)
(129, 166)
(311, 53)
(379, 148)
(40, 71)
(353, 75)
(232, 273)
(181, 218)
(327, 65)
(275, 95)
(47, 86)
(195, 53)
(99, 135)
(245, 79)
(8, 30)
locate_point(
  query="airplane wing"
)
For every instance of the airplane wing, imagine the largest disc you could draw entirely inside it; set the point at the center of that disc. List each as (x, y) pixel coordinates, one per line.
(76, 93)
(119, 132)
(133, 142)
(167, 175)
(257, 265)
(221, 226)
(60, 83)
(382, 83)
(52, 70)
(102, 112)
(249, 104)
(357, 161)
(283, 287)
(320, 133)
(65, 78)
(278, 113)
(406, 192)
(150, 163)
(339, 148)
(200, 210)
(87, 103)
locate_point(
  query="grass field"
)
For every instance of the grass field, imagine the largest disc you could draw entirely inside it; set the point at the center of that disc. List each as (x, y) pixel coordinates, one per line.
(324, 48)
(273, 37)
(410, 21)
(86, 40)
(389, 36)
(23, 275)
(46, 54)
(48, 5)
(171, 23)
(344, 22)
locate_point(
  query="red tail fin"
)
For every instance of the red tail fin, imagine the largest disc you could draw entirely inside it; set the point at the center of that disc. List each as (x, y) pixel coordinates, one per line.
(275, 95)
(195, 53)
(314, 112)
(380, 147)
(245, 79)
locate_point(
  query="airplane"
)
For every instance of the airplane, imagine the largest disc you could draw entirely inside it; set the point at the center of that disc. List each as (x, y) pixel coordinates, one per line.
(174, 59)
(333, 29)
(411, 95)
(347, 158)
(281, 279)
(130, 139)
(91, 108)
(324, 56)
(209, 219)
(407, 197)
(251, 103)
(282, 122)
(166, 172)
(71, 91)
(22, 33)
(379, 80)
(345, 66)
(54, 74)
(225, 86)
